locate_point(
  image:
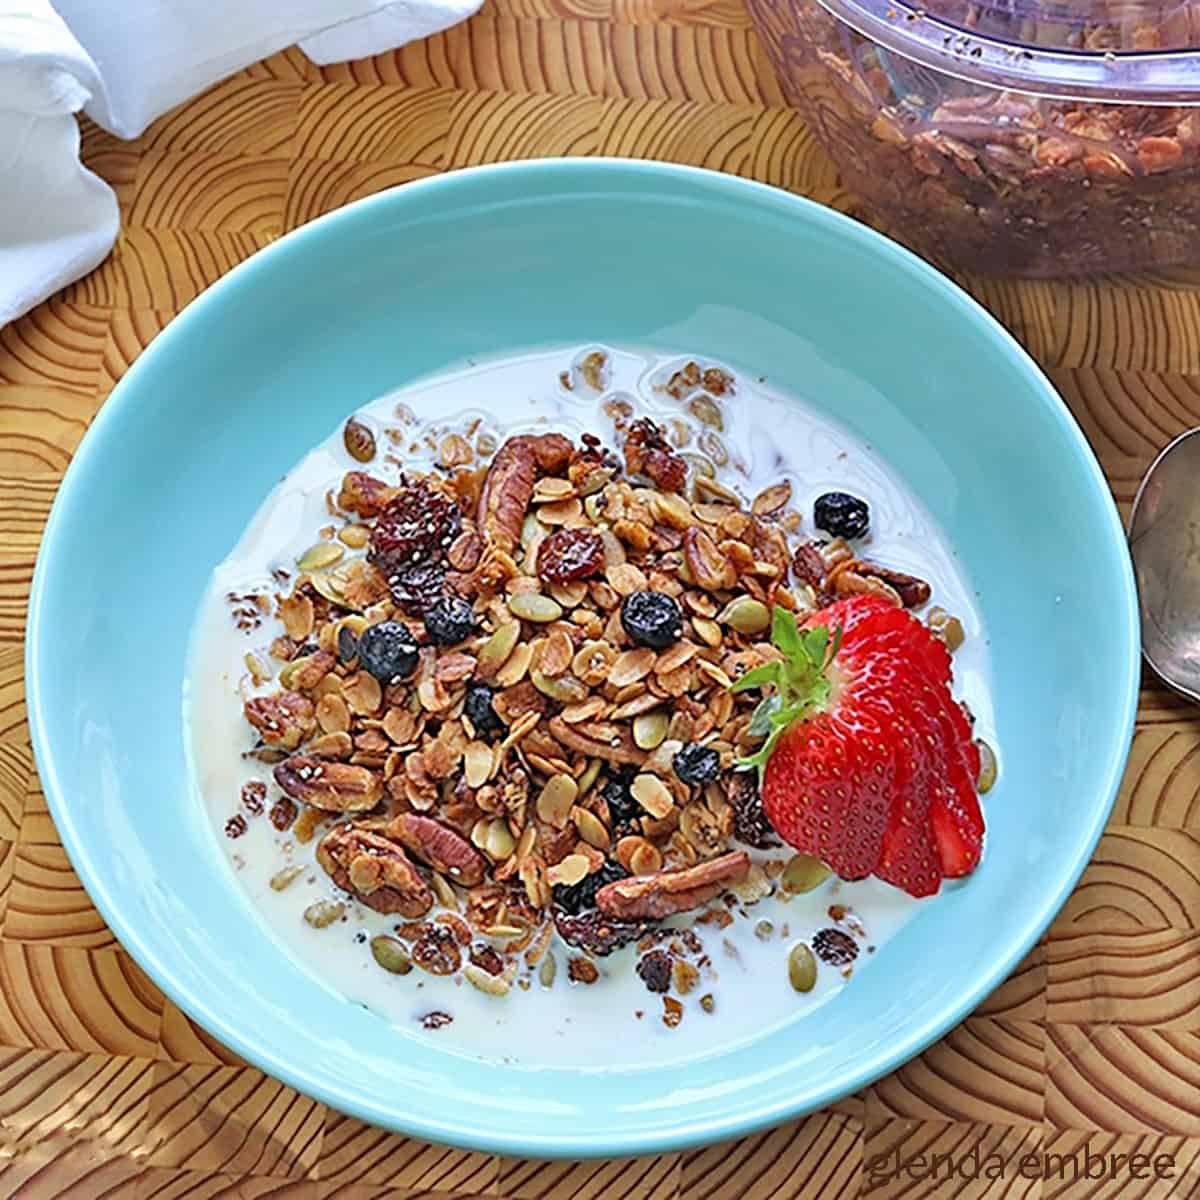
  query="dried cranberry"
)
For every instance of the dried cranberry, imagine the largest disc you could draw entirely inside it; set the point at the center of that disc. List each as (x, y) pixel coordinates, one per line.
(834, 947)
(570, 554)
(436, 951)
(750, 824)
(596, 933)
(235, 826)
(417, 585)
(655, 971)
(417, 526)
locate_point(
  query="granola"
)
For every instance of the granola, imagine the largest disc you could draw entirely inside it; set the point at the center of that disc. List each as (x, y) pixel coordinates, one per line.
(498, 709)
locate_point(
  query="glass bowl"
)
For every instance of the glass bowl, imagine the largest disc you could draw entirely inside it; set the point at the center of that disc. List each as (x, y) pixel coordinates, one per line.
(1021, 137)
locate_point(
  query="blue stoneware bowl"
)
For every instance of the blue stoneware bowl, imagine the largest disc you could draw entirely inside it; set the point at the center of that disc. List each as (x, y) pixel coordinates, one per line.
(269, 360)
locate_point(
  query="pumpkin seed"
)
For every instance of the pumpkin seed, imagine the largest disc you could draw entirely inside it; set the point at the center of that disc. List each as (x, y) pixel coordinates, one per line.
(803, 873)
(564, 688)
(485, 981)
(324, 912)
(499, 843)
(477, 764)
(533, 606)
(591, 828)
(763, 930)
(650, 729)
(326, 586)
(746, 615)
(548, 970)
(358, 440)
(286, 877)
(987, 767)
(709, 632)
(705, 410)
(802, 968)
(390, 955)
(323, 554)
(495, 651)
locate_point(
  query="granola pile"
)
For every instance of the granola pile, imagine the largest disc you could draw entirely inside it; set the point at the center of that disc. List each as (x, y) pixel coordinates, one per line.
(502, 708)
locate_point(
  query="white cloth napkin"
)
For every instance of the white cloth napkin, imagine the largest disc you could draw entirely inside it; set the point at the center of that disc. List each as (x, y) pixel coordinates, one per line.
(124, 63)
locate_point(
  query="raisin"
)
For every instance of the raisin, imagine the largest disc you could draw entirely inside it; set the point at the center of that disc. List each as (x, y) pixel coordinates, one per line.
(834, 947)
(570, 554)
(841, 514)
(648, 453)
(623, 809)
(596, 933)
(283, 813)
(254, 795)
(417, 526)
(435, 1019)
(655, 970)
(750, 824)
(577, 897)
(347, 644)
(416, 586)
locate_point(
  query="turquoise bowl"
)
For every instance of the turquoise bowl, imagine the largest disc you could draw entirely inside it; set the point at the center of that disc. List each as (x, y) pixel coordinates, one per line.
(264, 364)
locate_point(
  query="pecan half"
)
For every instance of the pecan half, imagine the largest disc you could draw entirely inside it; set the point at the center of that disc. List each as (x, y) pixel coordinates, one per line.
(911, 590)
(620, 750)
(652, 897)
(507, 491)
(443, 848)
(808, 566)
(648, 453)
(284, 719)
(364, 494)
(711, 568)
(375, 869)
(332, 786)
(553, 452)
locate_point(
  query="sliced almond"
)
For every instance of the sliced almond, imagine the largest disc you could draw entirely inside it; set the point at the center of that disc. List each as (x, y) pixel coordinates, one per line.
(625, 578)
(631, 665)
(572, 870)
(561, 512)
(515, 666)
(477, 764)
(555, 800)
(772, 499)
(591, 828)
(652, 794)
(557, 653)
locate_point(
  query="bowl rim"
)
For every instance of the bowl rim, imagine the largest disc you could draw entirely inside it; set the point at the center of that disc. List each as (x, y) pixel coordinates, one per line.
(541, 176)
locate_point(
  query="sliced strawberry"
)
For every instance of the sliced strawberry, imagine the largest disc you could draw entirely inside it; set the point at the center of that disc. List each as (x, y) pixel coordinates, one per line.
(869, 763)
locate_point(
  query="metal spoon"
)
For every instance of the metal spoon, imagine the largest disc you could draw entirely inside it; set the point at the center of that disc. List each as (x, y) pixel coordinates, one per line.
(1164, 539)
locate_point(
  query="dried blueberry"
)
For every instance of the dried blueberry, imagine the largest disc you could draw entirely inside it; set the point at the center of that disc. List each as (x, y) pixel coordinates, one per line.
(841, 514)
(477, 708)
(651, 619)
(449, 620)
(388, 651)
(623, 809)
(577, 897)
(697, 764)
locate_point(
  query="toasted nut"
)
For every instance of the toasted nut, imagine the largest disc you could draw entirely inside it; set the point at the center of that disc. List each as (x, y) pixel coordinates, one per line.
(323, 913)
(332, 714)
(645, 859)
(533, 606)
(708, 566)
(376, 869)
(650, 729)
(556, 654)
(323, 554)
(987, 767)
(440, 846)
(358, 440)
(590, 827)
(653, 897)
(592, 662)
(746, 615)
(332, 786)
(354, 536)
(614, 747)
(485, 981)
(555, 801)
(625, 578)
(569, 872)
(630, 666)
(945, 627)
(499, 843)
(477, 764)
(652, 794)
(296, 613)
(803, 873)
(771, 499)
(672, 510)
(802, 968)
(390, 955)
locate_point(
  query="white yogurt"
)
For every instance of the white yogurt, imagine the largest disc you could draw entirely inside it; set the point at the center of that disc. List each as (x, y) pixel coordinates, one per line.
(769, 438)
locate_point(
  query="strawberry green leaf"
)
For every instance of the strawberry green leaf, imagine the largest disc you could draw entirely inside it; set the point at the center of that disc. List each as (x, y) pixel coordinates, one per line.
(758, 676)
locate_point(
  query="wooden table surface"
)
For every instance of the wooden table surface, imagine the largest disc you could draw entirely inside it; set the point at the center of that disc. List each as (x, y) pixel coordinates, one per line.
(106, 1089)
